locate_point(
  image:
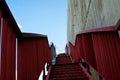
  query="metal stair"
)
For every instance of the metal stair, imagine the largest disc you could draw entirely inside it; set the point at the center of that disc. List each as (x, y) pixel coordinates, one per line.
(64, 69)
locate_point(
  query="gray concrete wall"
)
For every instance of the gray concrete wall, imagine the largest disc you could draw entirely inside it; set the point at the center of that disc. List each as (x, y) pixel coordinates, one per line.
(86, 14)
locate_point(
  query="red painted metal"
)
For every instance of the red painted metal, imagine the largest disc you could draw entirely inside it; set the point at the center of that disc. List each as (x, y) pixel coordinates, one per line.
(106, 46)
(77, 50)
(27, 60)
(66, 48)
(8, 51)
(33, 53)
(88, 50)
(11, 54)
(80, 45)
(3, 50)
(8, 32)
(7, 14)
(75, 54)
(100, 48)
(49, 56)
(33, 49)
(72, 51)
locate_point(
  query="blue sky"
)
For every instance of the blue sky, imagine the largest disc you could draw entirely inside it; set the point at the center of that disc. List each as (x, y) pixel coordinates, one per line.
(47, 17)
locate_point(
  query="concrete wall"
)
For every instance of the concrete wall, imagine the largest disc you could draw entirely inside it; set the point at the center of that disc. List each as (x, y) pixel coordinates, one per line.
(86, 14)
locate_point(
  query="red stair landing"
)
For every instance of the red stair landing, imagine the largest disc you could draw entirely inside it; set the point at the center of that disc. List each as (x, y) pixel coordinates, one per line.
(63, 59)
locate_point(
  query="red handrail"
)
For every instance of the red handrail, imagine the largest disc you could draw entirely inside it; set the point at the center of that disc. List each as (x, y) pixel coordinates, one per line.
(8, 33)
(100, 48)
(33, 53)
(33, 49)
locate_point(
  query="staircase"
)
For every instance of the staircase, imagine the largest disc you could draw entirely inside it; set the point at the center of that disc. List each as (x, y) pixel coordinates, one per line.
(64, 69)
(63, 59)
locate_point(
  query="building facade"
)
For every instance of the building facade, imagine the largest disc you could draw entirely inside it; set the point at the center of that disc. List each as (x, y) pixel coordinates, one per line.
(87, 14)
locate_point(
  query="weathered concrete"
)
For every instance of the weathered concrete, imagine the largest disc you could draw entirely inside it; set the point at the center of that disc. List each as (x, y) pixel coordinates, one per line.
(86, 14)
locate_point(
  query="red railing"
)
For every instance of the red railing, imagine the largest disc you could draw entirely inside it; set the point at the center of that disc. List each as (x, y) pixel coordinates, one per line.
(66, 49)
(32, 53)
(8, 33)
(100, 48)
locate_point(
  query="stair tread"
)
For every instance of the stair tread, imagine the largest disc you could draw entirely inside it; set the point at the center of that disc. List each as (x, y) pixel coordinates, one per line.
(70, 78)
(69, 75)
(64, 69)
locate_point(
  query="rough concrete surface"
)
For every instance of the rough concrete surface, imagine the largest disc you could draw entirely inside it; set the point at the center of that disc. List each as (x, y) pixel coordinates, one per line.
(86, 14)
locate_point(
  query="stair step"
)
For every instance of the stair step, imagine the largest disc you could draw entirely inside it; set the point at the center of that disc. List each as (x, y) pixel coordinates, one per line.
(57, 68)
(64, 69)
(70, 78)
(69, 72)
(68, 75)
